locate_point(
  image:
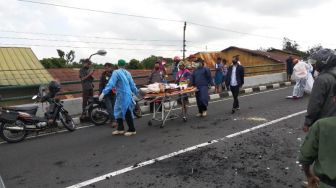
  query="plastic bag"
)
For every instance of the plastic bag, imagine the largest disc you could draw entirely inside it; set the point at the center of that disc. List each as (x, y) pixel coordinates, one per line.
(309, 84)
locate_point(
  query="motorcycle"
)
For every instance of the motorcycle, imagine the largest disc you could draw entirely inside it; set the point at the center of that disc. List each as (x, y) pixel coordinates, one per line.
(98, 113)
(17, 122)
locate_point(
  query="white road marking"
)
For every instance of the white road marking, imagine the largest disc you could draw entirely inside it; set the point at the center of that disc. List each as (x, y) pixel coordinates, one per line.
(216, 101)
(149, 162)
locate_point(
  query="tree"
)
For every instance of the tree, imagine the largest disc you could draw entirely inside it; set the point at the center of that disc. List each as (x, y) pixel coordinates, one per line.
(169, 61)
(60, 53)
(290, 45)
(313, 49)
(53, 63)
(149, 62)
(134, 64)
(293, 46)
(60, 62)
(70, 57)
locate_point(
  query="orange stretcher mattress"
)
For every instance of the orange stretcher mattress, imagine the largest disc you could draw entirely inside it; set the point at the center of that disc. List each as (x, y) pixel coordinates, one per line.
(171, 93)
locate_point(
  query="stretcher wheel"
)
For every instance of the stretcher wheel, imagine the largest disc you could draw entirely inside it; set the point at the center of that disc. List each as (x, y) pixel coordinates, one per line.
(149, 123)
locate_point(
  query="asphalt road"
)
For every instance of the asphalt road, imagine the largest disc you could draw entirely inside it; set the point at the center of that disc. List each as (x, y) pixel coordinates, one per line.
(266, 157)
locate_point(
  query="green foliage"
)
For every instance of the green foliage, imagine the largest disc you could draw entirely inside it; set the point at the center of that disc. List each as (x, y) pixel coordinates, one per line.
(293, 46)
(290, 45)
(169, 61)
(60, 53)
(66, 60)
(53, 62)
(149, 62)
(134, 64)
(70, 57)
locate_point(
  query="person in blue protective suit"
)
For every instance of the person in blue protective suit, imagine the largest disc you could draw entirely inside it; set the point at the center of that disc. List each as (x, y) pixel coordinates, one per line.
(201, 78)
(122, 80)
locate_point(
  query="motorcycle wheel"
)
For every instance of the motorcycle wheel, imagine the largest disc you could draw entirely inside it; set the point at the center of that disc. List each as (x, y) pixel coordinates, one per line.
(137, 111)
(13, 136)
(99, 116)
(67, 121)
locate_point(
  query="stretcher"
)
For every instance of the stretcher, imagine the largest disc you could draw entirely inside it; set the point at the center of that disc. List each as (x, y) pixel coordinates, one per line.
(164, 103)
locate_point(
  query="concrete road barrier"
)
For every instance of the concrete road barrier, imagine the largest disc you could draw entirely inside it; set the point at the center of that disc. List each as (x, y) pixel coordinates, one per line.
(254, 84)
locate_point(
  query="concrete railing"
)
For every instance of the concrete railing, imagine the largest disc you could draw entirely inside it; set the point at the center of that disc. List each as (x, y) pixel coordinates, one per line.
(250, 71)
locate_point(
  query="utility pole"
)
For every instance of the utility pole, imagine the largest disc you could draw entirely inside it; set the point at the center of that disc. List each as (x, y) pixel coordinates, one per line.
(184, 41)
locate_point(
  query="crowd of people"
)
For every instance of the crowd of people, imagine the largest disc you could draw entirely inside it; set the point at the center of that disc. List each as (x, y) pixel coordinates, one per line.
(117, 88)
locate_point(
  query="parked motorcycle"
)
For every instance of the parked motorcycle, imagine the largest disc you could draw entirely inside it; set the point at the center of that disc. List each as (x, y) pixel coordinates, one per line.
(17, 122)
(97, 111)
(98, 114)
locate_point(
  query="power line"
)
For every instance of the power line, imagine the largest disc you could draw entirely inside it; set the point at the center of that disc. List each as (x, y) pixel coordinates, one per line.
(234, 31)
(88, 47)
(90, 42)
(156, 18)
(84, 36)
(146, 17)
(102, 11)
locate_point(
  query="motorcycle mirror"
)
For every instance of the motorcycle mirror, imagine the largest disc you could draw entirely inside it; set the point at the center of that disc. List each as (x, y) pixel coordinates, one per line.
(34, 97)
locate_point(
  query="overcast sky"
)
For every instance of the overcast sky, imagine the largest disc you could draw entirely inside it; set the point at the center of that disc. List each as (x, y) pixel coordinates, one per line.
(255, 24)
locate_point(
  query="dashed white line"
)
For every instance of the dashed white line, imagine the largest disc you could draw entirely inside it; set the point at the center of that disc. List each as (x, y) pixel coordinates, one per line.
(149, 162)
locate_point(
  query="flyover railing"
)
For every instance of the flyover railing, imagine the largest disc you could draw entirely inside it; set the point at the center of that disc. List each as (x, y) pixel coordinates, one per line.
(261, 69)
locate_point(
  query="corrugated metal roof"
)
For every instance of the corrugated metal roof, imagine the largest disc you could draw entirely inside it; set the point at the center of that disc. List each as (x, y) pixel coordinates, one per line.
(20, 66)
(278, 57)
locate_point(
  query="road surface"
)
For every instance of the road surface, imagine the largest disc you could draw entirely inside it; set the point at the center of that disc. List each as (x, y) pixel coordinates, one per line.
(256, 147)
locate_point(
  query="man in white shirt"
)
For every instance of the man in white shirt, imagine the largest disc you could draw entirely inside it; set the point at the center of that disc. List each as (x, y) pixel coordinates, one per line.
(234, 81)
(300, 75)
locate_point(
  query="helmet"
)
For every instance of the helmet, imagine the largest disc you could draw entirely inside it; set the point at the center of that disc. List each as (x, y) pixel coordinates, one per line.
(323, 58)
(177, 59)
(54, 87)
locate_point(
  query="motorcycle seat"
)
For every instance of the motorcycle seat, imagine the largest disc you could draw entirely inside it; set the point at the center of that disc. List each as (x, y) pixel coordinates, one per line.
(28, 109)
(94, 99)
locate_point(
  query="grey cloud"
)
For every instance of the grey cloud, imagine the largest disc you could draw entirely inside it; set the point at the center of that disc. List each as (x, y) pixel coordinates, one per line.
(263, 7)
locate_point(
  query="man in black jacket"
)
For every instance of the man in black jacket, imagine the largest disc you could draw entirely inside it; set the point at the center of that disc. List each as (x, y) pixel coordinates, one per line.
(321, 101)
(110, 98)
(234, 81)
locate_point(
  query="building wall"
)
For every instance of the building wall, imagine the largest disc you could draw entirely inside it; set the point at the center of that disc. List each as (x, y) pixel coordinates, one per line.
(249, 59)
(246, 59)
